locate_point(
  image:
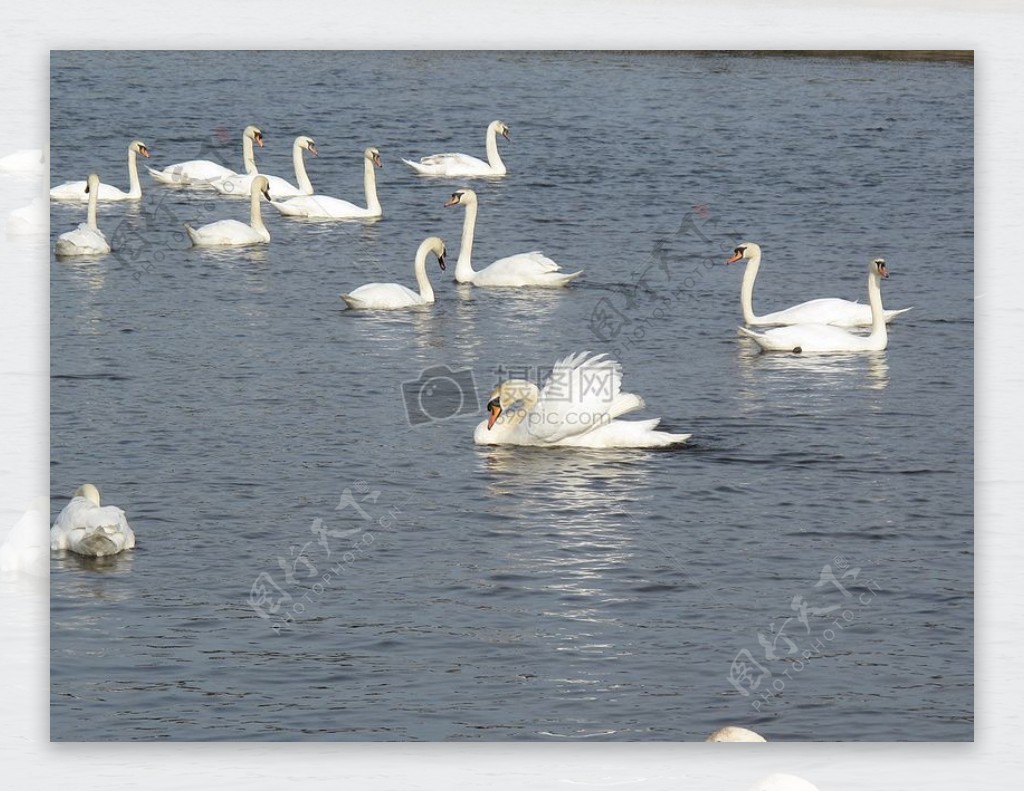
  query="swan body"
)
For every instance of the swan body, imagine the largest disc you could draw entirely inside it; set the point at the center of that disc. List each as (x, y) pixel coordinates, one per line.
(825, 310)
(24, 548)
(87, 239)
(522, 269)
(324, 207)
(196, 173)
(30, 220)
(829, 338)
(391, 296)
(75, 191)
(240, 184)
(578, 406)
(734, 734)
(233, 233)
(27, 162)
(462, 165)
(86, 528)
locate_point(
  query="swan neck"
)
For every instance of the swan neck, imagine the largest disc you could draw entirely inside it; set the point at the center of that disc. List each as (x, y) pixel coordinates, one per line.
(426, 291)
(248, 155)
(747, 289)
(878, 329)
(370, 186)
(300, 170)
(134, 187)
(91, 215)
(255, 215)
(493, 156)
(464, 266)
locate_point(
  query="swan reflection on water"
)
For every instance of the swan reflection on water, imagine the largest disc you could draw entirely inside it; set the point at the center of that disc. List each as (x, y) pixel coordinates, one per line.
(836, 371)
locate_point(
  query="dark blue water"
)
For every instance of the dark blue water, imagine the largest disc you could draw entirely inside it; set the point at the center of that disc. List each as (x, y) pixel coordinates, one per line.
(316, 562)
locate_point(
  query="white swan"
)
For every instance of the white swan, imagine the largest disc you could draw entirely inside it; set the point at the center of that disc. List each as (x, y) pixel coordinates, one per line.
(87, 239)
(323, 207)
(522, 269)
(25, 162)
(239, 184)
(86, 528)
(197, 173)
(231, 233)
(826, 310)
(33, 219)
(734, 734)
(462, 165)
(577, 407)
(389, 296)
(75, 191)
(829, 338)
(25, 547)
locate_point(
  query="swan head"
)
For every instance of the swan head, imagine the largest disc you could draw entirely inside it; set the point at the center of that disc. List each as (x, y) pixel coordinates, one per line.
(139, 148)
(734, 734)
(878, 267)
(307, 143)
(255, 134)
(89, 492)
(92, 182)
(507, 394)
(260, 185)
(501, 128)
(464, 197)
(744, 250)
(373, 155)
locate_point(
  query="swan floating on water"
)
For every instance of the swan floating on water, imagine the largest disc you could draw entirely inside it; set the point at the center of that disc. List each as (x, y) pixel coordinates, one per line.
(825, 310)
(522, 269)
(87, 239)
(86, 528)
(196, 173)
(454, 165)
(233, 233)
(829, 338)
(239, 184)
(578, 406)
(324, 207)
(390, 296)
(75, 191)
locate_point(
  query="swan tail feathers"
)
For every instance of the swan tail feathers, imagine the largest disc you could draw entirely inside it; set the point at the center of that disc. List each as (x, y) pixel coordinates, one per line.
(890, 315)
(96, 542)
(749, 333)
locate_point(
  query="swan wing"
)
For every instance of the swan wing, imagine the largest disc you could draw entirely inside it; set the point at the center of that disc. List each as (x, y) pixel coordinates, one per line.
(825, 310)
(580, 395)
(524, 269)
(191, 172)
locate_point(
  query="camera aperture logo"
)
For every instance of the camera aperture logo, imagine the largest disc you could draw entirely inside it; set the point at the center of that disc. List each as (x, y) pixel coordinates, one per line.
(439, 393)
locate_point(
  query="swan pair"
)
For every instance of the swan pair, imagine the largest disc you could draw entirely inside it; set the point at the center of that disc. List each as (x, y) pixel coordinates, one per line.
(86, 528)
(87, 239)
(324, 207)
(454, 165)
(198, 173)
(578, 406)
(392, 296)
(233, 233)
(826, 310)
(522, 269)
(240, 184)
(75, 191)
(829, 338)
